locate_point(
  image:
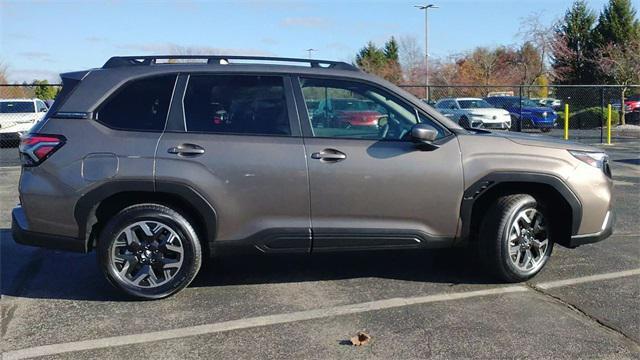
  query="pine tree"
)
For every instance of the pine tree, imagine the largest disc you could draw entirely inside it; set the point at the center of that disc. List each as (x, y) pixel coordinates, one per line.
(573, 46)
(393, 71)
(617, 24)
(371, 59)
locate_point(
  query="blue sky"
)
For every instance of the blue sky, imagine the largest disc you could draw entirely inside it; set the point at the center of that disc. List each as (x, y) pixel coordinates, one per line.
(39, 39)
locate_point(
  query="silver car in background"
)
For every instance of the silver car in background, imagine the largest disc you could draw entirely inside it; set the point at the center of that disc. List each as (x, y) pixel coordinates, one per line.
(474, 113)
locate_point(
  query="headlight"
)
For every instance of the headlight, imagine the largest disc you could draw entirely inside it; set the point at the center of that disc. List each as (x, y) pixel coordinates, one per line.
(595, 159)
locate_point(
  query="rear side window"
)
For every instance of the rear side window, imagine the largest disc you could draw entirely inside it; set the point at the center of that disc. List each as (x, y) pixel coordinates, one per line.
(16, 107)
(139, 105)
(236, 104)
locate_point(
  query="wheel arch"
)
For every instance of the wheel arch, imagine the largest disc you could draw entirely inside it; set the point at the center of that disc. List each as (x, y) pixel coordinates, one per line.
(553, 192)
(95, 207)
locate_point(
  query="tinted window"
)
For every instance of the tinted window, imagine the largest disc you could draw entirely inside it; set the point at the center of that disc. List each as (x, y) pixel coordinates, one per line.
(139, 105)
(357, 111)
(237, 104)
(12, 107)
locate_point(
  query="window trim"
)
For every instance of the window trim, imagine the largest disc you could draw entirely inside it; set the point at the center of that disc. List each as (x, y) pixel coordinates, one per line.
(290, 104)
(305, 121)
(116, 92)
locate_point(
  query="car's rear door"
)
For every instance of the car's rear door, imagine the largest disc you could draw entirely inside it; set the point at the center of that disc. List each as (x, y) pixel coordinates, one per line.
(371, 187)
(235, 139)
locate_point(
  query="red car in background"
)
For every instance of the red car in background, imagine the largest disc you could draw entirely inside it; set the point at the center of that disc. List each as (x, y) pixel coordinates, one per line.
(632, 103)
(346, 112)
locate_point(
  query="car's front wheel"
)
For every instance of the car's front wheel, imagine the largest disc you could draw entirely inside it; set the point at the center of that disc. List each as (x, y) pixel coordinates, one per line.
(515, 238)
(149, 251)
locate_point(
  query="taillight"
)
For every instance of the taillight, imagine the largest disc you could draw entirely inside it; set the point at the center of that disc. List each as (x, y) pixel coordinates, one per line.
(36, 148)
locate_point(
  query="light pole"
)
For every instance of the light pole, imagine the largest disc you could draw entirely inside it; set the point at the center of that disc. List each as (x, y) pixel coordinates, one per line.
(310, 51)
(426, 42)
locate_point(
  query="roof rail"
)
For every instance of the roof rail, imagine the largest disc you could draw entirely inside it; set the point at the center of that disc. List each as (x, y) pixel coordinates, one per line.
(123, 61)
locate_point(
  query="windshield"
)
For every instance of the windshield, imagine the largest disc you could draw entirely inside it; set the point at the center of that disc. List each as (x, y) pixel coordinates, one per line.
(474, 104)
(12, 107)
(529, 102)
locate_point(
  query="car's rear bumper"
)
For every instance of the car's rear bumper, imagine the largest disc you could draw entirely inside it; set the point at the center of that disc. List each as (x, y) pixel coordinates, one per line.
(607, 230)
(22, 235)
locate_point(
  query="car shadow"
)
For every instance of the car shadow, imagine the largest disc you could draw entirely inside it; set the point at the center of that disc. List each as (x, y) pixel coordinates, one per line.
(47, 274)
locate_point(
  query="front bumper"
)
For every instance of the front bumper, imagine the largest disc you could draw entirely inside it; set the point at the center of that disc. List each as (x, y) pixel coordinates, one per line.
(607, 230)
(25, 237)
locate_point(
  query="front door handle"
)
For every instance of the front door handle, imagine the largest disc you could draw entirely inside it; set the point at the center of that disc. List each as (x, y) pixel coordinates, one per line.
(187, 150)
(329, 155)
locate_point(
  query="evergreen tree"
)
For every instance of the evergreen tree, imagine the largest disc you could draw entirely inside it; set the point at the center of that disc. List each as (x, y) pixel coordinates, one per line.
(393, 71)
(617, 24)
(371, 59)
(573, 46)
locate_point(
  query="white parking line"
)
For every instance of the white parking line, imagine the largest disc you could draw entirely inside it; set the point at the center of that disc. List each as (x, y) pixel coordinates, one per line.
(585, 279)
(289, 317)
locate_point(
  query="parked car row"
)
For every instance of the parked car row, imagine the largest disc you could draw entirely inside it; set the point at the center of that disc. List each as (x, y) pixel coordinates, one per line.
(498, 112)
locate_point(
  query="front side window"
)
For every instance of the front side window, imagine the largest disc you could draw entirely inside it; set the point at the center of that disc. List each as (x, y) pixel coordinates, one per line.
(347, 109)
(236, 104)
(139, 105)
(42, 107)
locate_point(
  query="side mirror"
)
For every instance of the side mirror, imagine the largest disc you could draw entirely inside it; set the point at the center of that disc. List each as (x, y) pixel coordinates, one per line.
(423, 133)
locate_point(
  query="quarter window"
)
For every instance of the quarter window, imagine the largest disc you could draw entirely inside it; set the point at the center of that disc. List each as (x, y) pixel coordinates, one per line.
(139, 105)
(236, 104)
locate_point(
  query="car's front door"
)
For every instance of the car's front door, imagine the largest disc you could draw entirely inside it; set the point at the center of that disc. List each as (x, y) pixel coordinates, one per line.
(371, 186)
(236, 140)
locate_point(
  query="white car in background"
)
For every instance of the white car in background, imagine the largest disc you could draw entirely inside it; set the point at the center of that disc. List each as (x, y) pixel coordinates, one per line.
(475, 113)
(17, 116)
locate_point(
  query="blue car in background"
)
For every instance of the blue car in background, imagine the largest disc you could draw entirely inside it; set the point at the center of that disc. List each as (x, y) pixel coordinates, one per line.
(531, 114)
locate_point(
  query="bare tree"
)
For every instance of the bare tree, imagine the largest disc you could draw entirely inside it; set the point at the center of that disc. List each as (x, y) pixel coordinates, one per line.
(411, 60)
(537, 47)
(622, 64)
(3, 73)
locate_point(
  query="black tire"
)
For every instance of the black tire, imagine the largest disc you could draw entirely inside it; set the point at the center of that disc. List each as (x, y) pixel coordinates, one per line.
(191, 256)
(493, 243)
(545, 130)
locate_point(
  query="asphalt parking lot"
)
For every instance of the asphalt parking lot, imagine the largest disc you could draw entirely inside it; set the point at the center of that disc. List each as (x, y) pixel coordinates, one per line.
(437, 304)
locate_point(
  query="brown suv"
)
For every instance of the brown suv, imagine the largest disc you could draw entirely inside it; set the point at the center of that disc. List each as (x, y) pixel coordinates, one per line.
(154, 163)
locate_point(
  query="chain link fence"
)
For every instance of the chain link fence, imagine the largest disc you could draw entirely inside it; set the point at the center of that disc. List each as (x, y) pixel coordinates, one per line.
(22, 105)
(588, 107)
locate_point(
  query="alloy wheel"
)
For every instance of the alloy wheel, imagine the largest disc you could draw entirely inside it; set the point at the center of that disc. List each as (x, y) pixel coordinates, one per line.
(147, 254)
(528, 240)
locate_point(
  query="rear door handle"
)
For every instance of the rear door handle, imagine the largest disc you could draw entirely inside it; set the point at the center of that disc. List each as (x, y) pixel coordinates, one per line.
(187, 150)
(329, 155)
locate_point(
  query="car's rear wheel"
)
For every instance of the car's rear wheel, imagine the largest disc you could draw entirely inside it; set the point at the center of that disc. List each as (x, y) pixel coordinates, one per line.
(545, 130)
(515, 239)
(149, 251)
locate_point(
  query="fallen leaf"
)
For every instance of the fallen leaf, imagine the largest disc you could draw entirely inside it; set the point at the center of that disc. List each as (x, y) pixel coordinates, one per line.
(361, 338)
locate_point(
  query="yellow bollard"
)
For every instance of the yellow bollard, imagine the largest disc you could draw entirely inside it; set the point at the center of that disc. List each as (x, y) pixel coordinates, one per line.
(566, 121)
(609, 124)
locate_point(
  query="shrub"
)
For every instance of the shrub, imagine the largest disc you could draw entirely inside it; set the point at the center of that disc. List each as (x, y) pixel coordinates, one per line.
(588, 118)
